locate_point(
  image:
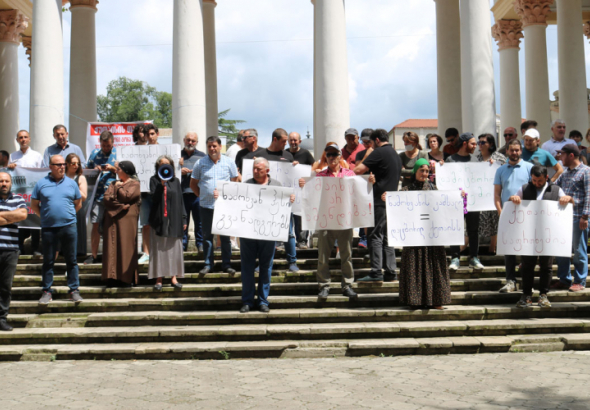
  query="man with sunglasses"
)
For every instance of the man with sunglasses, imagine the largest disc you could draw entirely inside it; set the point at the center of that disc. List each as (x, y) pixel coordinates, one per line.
(250, 140)
(510, 134)
(56, 199)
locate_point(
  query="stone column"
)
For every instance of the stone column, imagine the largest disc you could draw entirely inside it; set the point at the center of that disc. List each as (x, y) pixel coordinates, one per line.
(508, 34)
(573, 94)
(477, 68)
(210, 68)
(47, 73)
(188, 72)
(331, 113)
(13, 24)
(82, 70)
(448, 64)
(533, 14)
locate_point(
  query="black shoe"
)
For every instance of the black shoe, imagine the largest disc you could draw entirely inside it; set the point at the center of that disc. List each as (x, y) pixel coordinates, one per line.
(177, 285)
(349, 293)
(390, 277)
(264, 308)
(245, 309)
(204, 271)
(372, 279)
(158, 287)
(231, 271)
(324, 292)
(90, 260)
(4, 326)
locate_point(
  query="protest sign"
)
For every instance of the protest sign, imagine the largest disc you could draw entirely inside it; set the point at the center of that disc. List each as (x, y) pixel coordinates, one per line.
(252, 211)
(425, 218)
(284, 172)
(535, 228)
(144, 158)
(475, 178)
(337, 203)
(122, 133)
(24, 181)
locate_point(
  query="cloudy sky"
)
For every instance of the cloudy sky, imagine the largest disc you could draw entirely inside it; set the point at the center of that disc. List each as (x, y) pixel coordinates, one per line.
(265, 58)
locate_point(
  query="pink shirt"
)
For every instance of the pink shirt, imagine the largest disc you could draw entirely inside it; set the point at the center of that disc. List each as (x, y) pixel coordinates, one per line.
(350, 158)
(342, 173)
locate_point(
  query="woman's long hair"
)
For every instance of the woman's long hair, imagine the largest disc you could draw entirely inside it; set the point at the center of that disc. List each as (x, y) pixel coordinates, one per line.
(79, 171)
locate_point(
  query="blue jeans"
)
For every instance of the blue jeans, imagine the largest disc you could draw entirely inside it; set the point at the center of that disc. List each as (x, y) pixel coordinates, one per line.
(64, 238)
(208, 248)
(250, 250)
(580, 245)
(191, 206)
(291, 245)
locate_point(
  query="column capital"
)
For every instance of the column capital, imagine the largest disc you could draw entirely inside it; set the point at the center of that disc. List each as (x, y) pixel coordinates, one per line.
(587, 29)
(28, 44)
(12, 24)
(212, 2)
(507, 34)
(83, 3)
(533, 12)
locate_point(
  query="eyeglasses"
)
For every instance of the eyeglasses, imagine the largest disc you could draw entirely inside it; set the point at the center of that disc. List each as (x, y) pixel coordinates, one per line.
(508, 135)
(74, 163)
(58, 165)
(333, 154)
(482, 142)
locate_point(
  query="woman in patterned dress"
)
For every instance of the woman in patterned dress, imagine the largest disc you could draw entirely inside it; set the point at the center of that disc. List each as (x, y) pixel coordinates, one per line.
(424, 279)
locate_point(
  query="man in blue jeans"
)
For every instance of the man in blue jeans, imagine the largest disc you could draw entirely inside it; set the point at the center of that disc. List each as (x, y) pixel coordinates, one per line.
(56, 199)
(189, 157)
(575, 182)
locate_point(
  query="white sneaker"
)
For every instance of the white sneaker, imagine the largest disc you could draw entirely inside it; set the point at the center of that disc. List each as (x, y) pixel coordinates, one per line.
(145, 258)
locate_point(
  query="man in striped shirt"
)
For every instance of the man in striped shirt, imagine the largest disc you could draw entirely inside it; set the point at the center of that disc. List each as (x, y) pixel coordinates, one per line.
(12, 210)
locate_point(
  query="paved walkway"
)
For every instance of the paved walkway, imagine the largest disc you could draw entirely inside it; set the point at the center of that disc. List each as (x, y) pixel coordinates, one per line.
(485, 381)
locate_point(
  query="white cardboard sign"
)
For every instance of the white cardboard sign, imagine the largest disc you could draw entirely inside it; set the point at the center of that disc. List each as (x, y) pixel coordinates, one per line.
(425, 218)
(252, 211)
(476, 178)
(285, 173)
(144, 158)
(337, 203)
(535, 228)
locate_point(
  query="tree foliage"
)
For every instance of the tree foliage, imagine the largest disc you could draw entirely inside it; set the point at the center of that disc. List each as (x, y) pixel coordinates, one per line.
(228, 128)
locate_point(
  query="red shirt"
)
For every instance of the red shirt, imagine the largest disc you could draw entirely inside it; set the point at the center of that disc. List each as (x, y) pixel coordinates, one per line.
(450, 149)
(350, 157)
(342, 173)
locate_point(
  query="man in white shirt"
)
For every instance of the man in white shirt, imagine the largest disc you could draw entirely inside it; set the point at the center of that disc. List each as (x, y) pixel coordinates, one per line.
(25, 157)
(558, 139)
(235, 148)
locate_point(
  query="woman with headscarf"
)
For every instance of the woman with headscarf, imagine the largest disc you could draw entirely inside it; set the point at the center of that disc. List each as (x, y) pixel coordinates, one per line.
(167, 222)
(424, 279)
(119, 240)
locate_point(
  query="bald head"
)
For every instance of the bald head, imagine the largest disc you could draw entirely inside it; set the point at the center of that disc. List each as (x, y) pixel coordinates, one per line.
(191, 139)
(57, 166)
(510, 134)
(294, 141)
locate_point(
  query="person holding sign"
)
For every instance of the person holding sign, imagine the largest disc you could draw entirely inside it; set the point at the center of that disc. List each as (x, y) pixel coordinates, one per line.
(326, 238)
(252, 249)
(467, 145)
(206, 173)
(424, 279)
(575, 182)
(168, 221)
(540, 188)
(509, 178)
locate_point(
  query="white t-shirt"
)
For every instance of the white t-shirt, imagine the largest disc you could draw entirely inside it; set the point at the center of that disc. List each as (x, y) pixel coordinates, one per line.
(232, 152)
(30, 159)
(540, 192)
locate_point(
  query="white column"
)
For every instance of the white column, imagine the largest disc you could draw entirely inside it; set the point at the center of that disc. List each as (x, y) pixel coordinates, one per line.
(477, 68)
(210, 68)
(534, 18)
(573, 98)
(82, 70)
(508, 34)
(16, 24)
(188, 72)
(47, 73)
(331, 113)
(448, 64)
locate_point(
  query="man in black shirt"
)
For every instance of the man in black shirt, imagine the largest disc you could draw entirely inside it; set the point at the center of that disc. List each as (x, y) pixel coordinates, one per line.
(368, 144)
(250, 140)
(302, 156)
(386, 165)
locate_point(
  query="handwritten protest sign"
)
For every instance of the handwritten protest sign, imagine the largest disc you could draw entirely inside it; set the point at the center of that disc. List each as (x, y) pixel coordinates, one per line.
(425, 218)
(144, 158)
(535, 228)
(122, 134)
(476, 178)
(337, 203)
(284, 172)
(252, 211)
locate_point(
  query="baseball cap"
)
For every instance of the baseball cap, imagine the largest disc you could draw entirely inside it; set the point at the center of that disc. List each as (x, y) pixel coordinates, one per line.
(466, 136)
(351, 131)
(533, 133)
(336, 147)
(570, 149)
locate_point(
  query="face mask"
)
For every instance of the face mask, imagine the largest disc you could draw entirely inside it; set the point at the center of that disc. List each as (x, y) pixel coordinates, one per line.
(579, 143)
(409, 147)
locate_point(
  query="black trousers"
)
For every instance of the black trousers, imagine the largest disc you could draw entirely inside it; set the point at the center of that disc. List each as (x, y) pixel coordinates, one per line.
(300, 236)
(8, 261)
(382, 255)
(472, 220)
(528, 273)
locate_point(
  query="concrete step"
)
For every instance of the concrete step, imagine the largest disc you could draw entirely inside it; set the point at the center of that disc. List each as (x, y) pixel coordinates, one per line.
(298, 316)
(61, 305)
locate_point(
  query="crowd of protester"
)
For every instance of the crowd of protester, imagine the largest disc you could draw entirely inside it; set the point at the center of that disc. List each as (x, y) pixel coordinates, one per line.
(555, 171)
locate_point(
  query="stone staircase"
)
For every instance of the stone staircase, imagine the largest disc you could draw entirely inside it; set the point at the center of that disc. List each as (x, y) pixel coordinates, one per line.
(202, 321)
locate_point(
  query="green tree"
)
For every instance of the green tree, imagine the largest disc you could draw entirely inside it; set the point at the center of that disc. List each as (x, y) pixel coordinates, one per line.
(228, 128)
